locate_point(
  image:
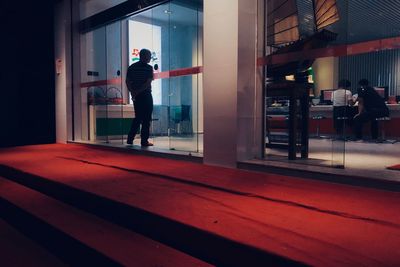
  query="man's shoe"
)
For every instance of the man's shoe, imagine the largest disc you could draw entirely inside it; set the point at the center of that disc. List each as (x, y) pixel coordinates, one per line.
(147, 144)
(129, 141)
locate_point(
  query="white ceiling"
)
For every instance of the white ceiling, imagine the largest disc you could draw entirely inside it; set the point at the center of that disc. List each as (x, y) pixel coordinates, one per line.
(174, 14)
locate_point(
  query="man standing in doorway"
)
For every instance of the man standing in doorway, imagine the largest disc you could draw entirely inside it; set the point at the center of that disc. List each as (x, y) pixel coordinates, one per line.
(138, 81)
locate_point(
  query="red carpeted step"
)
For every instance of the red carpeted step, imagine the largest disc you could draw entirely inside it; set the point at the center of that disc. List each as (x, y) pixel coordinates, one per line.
(18, 250)
(164, 213)
(220, 250)
(209, 210)
(106, 243)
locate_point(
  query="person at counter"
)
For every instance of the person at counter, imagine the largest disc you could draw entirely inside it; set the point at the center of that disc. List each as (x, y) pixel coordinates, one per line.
(342, 100)
(370, 106)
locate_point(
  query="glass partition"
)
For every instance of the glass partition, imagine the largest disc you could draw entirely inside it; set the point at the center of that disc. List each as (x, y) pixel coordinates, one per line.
(147, 30)
(329, 47)
(184, 55)
(114, 121)
(173, 33)
(101, 85)
(300, 80)
(93, 77)
(369, 33)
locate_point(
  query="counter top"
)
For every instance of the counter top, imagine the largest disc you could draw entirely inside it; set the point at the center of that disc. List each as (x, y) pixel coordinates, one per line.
(330, 107)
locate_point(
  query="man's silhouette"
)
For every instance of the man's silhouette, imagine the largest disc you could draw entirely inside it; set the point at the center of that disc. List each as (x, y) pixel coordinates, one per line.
(138, 81)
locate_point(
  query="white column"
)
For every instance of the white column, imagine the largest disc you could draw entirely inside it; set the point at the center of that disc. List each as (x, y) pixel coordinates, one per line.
(63, 75)
(220, 81)
(66, 49)
(232, 81)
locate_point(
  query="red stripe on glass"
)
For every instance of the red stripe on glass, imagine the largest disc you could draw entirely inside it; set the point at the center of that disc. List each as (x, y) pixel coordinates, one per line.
(157, 75)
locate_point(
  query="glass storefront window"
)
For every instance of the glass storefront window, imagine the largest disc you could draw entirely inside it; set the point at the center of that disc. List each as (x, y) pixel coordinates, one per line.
(173, 34)
(294, 128)
(329, 46)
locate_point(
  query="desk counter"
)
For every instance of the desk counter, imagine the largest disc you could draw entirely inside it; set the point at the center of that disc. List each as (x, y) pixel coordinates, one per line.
(392, 127)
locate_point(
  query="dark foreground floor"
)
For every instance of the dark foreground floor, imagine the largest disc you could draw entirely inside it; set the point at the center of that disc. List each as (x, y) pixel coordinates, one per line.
(310, 222)
(17, 250)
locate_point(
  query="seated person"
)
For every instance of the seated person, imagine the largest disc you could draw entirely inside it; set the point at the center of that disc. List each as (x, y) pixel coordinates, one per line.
(370, 106)
(342, 100)
(355, 96)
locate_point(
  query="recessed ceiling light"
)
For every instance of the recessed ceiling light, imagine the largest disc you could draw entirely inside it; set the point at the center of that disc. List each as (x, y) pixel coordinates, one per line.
(167, 11)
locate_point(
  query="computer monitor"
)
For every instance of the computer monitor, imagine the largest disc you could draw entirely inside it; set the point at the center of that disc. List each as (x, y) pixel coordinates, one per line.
(383, 92)
(326, 96)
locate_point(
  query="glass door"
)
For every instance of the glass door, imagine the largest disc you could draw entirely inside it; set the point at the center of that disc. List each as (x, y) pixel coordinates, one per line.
(183, 97)
(149, 30)
(93, 91)
(115, 123)
(171, 32)
(299, 113)
(101, 85)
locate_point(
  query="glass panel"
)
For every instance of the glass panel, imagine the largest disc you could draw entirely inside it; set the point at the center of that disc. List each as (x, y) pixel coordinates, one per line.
(101, 87)
(374, 55)
(171, 32)
(93, 89)
(184, 90)
(116, 124)
(282, 22)
(147, 30)
(342, 97)
(160, 87)
(345, 50)
(300, 84)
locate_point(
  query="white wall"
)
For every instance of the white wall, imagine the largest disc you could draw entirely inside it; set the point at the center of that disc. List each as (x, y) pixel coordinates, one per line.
(232, 82)
(62, 26)
(326, 73)
(66, 47)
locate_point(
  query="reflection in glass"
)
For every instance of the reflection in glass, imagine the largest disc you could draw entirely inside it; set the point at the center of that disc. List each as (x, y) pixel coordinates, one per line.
(296, 129)
(326, 13)
(282, 22)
